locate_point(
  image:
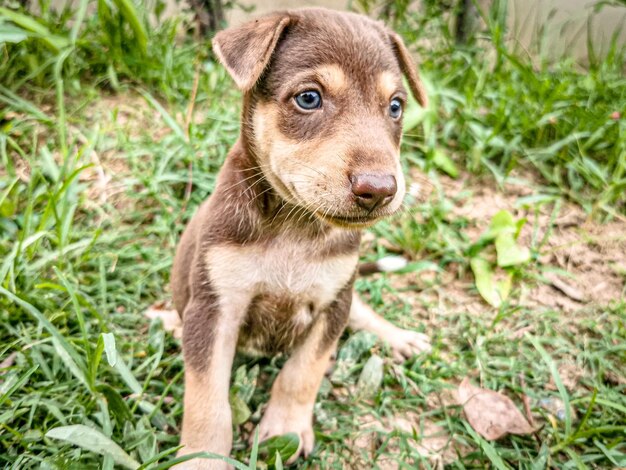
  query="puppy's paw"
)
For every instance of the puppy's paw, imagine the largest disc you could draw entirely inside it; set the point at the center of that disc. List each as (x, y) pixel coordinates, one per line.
(281, 419)
(406, 344)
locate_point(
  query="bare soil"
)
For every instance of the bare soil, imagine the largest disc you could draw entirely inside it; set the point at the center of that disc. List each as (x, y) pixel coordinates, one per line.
(582, 264)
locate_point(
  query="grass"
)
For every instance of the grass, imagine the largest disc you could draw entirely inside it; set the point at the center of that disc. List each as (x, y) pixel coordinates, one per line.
(83, 256)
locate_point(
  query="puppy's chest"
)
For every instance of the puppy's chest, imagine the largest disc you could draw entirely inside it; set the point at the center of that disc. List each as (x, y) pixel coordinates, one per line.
(284, 287)
(285, 269)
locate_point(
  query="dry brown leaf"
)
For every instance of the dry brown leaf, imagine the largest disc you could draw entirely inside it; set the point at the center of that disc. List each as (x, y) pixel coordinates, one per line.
(491, 414)
(170, 319)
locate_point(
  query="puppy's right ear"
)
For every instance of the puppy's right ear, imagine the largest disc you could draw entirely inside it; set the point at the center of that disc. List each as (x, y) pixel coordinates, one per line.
(246, 50)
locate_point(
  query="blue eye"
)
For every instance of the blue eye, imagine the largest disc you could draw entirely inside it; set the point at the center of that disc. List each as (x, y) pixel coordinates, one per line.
(395, 108)
(309, 100)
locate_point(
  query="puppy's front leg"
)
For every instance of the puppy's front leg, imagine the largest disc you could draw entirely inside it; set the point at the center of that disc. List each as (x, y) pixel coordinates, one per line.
(290, 408)
(403, 343)
(210, 332)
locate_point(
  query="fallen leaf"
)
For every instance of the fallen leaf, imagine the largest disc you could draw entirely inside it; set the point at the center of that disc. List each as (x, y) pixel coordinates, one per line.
(169, 318)
(506, 230)
(509, 253)
(491, 414)
(494, 292)
(371, 377)
(239, 409)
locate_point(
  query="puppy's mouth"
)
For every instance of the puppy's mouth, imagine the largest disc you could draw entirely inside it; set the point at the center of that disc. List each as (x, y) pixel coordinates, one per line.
(351, 222)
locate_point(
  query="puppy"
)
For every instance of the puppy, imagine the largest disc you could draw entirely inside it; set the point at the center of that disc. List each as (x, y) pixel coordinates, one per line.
(268, 262)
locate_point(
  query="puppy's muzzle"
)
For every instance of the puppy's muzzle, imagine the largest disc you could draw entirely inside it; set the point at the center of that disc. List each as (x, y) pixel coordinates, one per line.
(373, 191)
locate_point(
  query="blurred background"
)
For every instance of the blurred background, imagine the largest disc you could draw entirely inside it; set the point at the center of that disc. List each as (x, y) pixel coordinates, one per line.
(114, 121)
(557, 27)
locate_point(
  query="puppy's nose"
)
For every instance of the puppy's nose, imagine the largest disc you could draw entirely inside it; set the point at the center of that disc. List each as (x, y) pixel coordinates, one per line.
(373, 190)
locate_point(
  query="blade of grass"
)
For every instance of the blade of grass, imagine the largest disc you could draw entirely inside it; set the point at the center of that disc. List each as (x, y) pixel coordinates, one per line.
(94, 441)
(557, 381)
(37, 315)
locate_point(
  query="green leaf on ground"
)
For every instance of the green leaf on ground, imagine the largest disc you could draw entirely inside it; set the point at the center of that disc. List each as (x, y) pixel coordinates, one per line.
(493, 292)
(92, 440)
(240, 410)
(286, 445)
(509, 252)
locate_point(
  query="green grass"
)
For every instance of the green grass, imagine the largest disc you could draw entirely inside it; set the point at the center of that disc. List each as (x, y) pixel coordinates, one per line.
(79, 266)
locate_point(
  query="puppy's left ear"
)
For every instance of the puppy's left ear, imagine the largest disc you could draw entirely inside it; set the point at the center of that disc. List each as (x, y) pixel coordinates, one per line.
(246, 50)
(409, 69)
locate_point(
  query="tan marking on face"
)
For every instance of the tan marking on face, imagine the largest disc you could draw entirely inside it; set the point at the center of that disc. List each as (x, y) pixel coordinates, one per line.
(314, 173)
(388, 84)
(332, 77)
(304, 173)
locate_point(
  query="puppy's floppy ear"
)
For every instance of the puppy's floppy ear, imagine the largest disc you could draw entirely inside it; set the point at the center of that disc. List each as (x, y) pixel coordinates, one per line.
(246, 50)
(409, 69)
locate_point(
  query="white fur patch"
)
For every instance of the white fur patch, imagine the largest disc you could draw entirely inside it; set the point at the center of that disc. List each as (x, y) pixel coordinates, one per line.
(284, 267)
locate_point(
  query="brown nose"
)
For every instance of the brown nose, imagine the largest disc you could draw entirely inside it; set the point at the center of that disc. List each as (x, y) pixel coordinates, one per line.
(373, 191)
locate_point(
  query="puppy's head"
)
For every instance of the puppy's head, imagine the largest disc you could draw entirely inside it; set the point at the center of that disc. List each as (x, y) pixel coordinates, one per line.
(323, 109)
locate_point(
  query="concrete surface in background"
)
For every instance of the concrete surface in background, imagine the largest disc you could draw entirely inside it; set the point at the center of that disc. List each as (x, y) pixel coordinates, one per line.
(566, 25)
(564, 21)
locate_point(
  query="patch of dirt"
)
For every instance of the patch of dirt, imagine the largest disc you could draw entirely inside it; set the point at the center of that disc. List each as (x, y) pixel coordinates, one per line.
(124, 114)
(582, 263)
(570, 374)
(432, 443)
(127, 114)
(587, 253)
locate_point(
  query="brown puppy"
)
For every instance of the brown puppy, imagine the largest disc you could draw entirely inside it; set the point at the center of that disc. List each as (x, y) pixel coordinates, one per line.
(268, 262)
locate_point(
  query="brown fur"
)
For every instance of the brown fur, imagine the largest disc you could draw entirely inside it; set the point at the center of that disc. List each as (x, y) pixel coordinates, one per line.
(268, 262)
